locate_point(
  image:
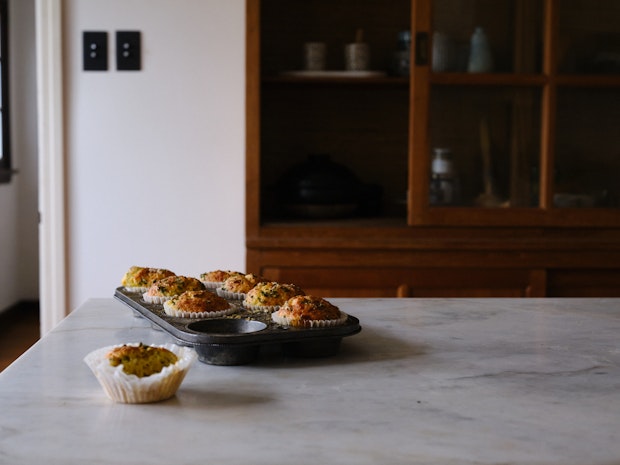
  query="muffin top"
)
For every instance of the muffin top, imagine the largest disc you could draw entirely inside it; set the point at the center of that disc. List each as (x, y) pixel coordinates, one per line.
(198, 301)
(271, 294)
(218, 276)
(302, 308)
(141, 360)
(174, 285)
(241, 284)
(139, 276)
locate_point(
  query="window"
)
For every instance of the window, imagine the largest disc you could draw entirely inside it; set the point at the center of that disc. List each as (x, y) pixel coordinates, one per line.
(5, 146)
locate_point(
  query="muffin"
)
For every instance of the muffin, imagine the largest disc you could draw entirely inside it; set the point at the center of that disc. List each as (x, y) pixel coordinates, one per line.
(215, 279)
(236, 287)
(166, 288)
(270, 295)
(306, 311)
(140, 278)
(137, 373)
(198, 304)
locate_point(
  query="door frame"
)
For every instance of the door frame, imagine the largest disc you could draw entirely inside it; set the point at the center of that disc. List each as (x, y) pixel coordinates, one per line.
(51, 175)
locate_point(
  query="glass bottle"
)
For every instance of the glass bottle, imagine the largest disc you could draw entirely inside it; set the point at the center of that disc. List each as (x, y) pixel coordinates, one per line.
(444, 185)
(401, 57)
(480, 59)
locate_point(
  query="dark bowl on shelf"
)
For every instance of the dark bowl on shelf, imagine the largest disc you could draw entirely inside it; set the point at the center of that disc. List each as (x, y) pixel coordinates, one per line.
(322, 188)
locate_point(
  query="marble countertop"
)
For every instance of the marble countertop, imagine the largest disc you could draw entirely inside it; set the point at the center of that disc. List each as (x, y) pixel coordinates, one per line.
(427, 381)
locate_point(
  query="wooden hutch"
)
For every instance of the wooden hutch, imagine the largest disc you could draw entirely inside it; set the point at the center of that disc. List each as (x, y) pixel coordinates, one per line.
(534, 145)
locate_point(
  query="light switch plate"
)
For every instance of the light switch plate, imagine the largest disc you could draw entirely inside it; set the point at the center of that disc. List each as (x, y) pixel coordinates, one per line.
(95, 50)
(128, 53)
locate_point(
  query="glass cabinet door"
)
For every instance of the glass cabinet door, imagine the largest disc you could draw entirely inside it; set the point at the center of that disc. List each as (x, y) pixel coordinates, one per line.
(486, 36)
(587, 153)
(516, 105)
(589, 37)
(490, 132)
(333, 138)
(489, 140)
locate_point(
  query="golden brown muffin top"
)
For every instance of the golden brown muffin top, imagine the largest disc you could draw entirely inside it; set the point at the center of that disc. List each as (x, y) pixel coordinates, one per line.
(139, 276)
(254, 278)
(218, 276)
(242, 284)
(141, 360)
(271, 293)
(174, 285)
(307, 307)
(198, 301)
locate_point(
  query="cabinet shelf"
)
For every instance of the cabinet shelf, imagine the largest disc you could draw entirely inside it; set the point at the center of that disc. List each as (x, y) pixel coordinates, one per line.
(589, 80)
(336, 80)
(487, 79)
(498, 79)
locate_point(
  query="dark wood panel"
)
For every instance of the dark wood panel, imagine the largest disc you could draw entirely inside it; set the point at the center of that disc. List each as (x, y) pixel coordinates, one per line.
(584, 283)
(409, 282)
(443, 259)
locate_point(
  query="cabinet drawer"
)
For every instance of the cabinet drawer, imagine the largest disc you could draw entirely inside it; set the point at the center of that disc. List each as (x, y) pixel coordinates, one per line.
(411, 282)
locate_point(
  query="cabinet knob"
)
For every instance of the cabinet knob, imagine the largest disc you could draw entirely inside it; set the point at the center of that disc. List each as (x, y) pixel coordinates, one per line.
(404, 290)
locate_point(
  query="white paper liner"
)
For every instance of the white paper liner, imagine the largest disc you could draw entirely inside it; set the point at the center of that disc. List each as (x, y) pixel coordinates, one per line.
(284, 321)
(230, 295)
(130, 389)
(212, 284)
(261, 308)
(155, 299)
(136, 289)
(184, 314)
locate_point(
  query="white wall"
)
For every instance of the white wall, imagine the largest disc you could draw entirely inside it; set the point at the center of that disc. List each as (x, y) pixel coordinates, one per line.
(24, 119)
(155, 159)
(18, 200)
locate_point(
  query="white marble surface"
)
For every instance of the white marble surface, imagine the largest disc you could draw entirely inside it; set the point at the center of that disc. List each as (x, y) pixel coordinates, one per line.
(427, 381)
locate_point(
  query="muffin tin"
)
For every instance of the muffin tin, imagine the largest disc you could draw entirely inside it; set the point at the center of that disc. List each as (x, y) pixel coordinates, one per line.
(237, 339)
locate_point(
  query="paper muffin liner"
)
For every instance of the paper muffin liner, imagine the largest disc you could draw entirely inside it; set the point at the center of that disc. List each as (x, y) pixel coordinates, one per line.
(136, 289)
(156, 299)
(130, 389)
(261, 308)
(230, 295)
(212, 285)
(285, 321)
(184, 314)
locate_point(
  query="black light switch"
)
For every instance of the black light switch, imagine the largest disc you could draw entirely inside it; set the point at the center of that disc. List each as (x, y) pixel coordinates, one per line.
(95, 50)
(128, 56)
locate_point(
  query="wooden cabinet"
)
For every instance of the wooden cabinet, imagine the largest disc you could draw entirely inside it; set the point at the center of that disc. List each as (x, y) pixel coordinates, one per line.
(531, 139)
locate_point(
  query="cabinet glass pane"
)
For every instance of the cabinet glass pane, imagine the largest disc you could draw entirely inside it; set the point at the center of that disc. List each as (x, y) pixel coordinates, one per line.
(589, 36)
(587, 149)
(363, 130)
(287, 25)
(333, 141)
(493, 136)
(510, 30)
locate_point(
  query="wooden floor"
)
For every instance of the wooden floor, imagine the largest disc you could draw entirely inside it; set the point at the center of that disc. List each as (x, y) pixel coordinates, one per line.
(19, 329)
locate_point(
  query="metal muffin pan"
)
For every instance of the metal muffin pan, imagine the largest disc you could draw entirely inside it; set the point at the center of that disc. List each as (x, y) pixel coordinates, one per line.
(236, 339)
